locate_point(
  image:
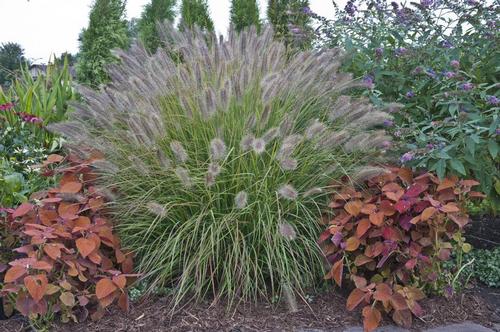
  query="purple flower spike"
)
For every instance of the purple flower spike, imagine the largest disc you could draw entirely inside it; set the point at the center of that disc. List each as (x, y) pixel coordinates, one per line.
(426, 3)
(407, 157)
(410, 94)
(493, 100)
(467, 86)
(455, 64)
(307, 10)
(379, 51)
(388, 123)
(400, 51)
(449, 74)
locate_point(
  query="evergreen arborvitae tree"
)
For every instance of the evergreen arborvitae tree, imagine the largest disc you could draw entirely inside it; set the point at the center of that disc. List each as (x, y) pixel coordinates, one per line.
(290, 21)
(195, 12)
(107, 30)
(154, 12)
(11, 60)
(244, 13)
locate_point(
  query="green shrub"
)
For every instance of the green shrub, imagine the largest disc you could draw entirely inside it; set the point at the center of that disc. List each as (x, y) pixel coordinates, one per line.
(223, 162)
(486, 266)
(443, 68)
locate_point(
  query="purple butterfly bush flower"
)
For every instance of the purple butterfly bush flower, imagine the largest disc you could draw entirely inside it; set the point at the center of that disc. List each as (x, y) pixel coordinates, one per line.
(386, 144)
(472, 2)
(307, 10)
(400, 51)
(418, 70)
(426, 3)
(379, 51)
(497, 131)
(408, 156)
(410, 94)
(430, 146)
(369, 82)
(449, 74)
(388, 123)
(455, 64)
(431, 73)
(493, 100)
(446, 44)
(466, 86)
(350, 8)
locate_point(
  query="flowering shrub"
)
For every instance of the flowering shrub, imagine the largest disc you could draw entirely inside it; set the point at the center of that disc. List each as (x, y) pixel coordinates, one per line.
(222, 161)
(67, 259)
(390, 240)
(442, 68)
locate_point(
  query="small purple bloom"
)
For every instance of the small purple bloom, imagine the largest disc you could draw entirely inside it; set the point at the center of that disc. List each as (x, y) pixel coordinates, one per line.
(400, 51)
(397, 133)
(350, 8)
(491, 25)
(410, 94)
(407, 157)
(449, 74)
(426, 3)
(467, 86)
(379, 51)
(296, 30)
(394, 5)
(388, 123)
(446, 44)
(472, 2)
(307, 10)
(493, 100)
(368, 81)
(4, 107)
(418, 70)
(386, 144)
(497, 131)
(455, 64)
(430, 146)
(431, 73)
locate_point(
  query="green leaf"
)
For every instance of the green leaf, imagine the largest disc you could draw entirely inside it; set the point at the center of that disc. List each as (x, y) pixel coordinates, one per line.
(458, 166)
(493, 148)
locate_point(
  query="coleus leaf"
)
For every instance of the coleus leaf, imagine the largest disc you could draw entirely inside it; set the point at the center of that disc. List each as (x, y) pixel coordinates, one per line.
(354, 299)
(371, 318)
(104, 287)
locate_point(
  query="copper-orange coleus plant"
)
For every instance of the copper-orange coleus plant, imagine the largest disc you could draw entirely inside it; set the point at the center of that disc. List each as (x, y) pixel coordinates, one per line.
(390, 237)
(69, 260)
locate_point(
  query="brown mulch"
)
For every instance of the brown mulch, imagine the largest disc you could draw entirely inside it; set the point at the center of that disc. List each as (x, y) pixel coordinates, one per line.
(326, 312)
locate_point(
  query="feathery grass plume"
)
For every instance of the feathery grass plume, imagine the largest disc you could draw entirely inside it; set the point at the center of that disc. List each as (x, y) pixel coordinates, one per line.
(178, 151)
(271, 134)
(290, 298)
(241, 200)
(289, 164)
(312, 192)
(214, 168)
(287, 231)
(104, 166)
(367, 172)
(217, 149)
(246, 142)
(157, 209)
(259, 145)
(162, 159)
(315, 129)
(288, 192)
(183, 175)
(212, 241)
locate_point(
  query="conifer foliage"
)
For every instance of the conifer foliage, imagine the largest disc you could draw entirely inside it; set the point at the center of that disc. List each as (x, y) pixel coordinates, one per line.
(290, 21)
(154, 12)
(195, 13)
(244, 13)
(107, 30)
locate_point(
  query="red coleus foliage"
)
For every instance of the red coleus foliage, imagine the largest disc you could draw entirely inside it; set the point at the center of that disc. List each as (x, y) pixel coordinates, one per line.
(390, 237)
(68, 260)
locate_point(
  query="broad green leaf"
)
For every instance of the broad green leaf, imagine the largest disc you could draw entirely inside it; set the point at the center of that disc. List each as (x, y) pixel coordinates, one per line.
(493, 148)
(458, 166)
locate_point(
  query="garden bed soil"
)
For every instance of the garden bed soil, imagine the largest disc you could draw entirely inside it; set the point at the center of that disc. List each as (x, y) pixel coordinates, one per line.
(483, 232)
(326, 312)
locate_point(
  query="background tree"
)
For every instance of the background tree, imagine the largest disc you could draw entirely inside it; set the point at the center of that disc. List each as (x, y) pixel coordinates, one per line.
(291, 21)
(156, 11)
(11, 59)
(195, 12)
(107, 30)
(244, 13)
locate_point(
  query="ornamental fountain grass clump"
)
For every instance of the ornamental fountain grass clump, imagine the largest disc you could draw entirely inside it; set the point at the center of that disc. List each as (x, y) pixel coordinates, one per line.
(222, 154)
